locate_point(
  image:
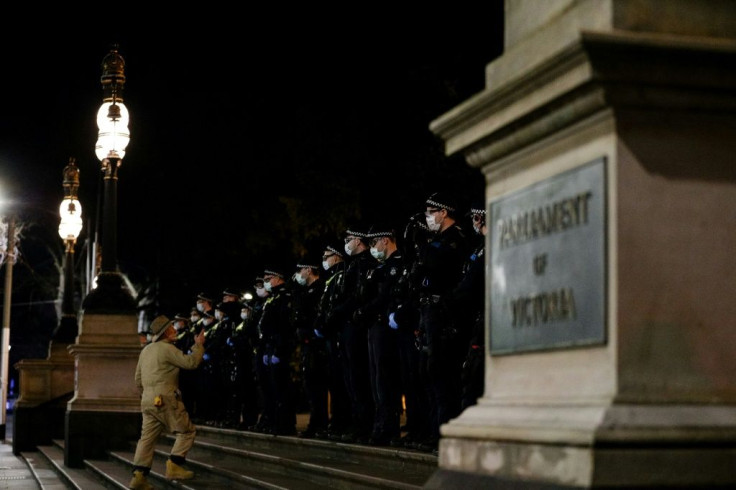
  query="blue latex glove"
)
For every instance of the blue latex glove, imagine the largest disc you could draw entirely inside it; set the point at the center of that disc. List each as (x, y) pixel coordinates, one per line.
(230, 342)
(275, 360)
(206, 357)
(318, 333)
(265, 359)
(391, 322)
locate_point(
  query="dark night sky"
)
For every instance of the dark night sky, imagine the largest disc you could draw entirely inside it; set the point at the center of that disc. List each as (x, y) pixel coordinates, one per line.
(252, 142)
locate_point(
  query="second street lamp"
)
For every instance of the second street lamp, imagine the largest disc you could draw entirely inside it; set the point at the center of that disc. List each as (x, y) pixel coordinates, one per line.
(70, 226)
(111, 293)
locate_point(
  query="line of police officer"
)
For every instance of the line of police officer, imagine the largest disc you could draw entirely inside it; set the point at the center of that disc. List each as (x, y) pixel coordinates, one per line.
(375, 322)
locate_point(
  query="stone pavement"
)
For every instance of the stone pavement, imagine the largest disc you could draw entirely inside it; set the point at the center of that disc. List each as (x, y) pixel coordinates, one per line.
(14, 472)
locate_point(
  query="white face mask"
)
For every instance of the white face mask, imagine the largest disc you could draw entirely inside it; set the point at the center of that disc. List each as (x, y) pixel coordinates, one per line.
(200, 307)
(218, 315)
(267, 286)
(301, 280)
(378, 255)
(208, 321)
(194, 318)
(244, 316)
(325, 265)
(261, 292)
(350, 247)
(432, 224)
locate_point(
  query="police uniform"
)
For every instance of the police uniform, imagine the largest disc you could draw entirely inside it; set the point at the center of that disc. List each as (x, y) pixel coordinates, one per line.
(469, 298)
(405, 313)
(383, 347)
(354, 340)
(279, 341)
(209, 389)
(313, 359)
(221, 344)
(329, 331)
(442, 352)
(244, 402)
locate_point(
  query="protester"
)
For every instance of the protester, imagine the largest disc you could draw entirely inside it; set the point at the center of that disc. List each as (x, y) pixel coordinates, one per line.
(157, 377)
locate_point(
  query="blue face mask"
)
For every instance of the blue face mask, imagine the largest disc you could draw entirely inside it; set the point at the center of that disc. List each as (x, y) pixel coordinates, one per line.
(378, 255)
(267, 286)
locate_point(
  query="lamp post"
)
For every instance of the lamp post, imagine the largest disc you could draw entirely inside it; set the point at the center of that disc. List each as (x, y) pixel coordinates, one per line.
(70, 225)
(111, 294)
(9, 261)
(105, 411)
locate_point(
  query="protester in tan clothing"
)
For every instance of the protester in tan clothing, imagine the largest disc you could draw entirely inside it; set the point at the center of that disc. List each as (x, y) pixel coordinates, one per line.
(157, 376)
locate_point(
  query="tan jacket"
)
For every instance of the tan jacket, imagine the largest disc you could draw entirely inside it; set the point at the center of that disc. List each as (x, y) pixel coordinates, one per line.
(157, 372)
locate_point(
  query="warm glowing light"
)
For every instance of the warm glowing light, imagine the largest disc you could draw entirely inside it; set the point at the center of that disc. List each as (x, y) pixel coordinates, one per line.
(114, 135)
(70, 226)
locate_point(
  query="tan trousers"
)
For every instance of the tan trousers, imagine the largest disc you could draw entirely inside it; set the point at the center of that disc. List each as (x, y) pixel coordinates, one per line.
(173, 418)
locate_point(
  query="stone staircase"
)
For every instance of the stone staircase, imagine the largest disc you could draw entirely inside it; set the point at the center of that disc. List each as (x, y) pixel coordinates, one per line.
(225, 458)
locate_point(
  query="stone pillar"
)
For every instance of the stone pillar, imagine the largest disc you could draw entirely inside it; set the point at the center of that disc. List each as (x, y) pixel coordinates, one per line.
(45, 388)
(105, 411)
(607, 135)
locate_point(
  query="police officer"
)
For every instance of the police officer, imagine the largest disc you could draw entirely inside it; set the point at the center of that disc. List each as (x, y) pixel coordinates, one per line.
(383, 347)
(208, 382)
(259, 368)
(354, 333)
(243, 401)
(313, 360)
(279, 342)
(469, 298)
(404, 316)
(442, 356)
(333, 264)
(227, 313)
(184, 341)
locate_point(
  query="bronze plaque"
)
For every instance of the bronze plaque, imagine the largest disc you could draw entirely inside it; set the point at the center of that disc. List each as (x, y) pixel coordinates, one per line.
(548, 263)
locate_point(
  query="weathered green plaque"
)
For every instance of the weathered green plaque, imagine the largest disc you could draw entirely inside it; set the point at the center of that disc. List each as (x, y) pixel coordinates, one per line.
(548, 263)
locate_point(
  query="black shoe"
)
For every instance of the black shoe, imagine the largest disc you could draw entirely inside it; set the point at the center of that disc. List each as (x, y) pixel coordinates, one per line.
(428, 445)
(308, 433)
(349, 437)
(379, 440)
(284, 431)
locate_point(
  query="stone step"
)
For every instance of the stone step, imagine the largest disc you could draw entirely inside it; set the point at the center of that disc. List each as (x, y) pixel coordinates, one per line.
(228, 458)
(47, 465)
(411, 463)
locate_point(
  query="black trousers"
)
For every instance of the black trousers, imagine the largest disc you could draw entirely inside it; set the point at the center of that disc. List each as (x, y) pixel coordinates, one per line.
(385, 375)
(354, 351)
(315, 377)
(340, 415)
(442, 360)
(413, 384)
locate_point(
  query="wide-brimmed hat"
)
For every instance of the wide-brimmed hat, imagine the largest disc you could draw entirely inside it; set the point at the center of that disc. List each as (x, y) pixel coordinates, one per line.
(158, 326)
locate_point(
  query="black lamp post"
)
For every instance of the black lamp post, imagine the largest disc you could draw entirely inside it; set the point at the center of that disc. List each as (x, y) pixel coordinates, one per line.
(70, 226)
(111, 294)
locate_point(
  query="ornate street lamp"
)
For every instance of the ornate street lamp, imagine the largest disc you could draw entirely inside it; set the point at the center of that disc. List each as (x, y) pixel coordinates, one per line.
(70, 226)
(111, 293)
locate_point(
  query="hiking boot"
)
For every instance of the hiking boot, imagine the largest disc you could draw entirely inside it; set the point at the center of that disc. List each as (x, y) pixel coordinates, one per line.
(176, 472)
(140, 481)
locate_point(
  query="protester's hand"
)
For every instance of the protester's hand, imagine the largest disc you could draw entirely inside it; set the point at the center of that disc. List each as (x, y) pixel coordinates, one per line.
(265, 359)
(275, 360)
(199, 338)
